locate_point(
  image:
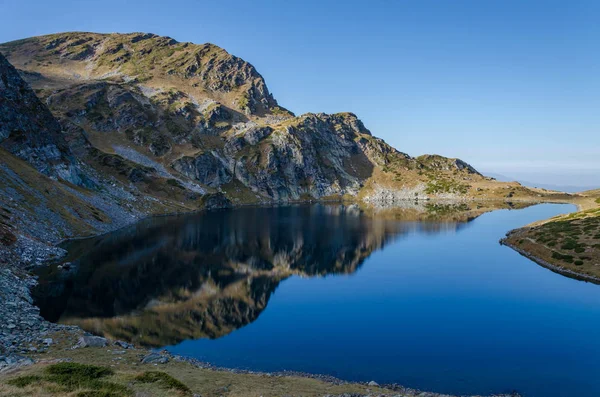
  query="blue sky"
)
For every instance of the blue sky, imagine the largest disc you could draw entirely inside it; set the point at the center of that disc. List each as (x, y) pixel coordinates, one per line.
(509, 86)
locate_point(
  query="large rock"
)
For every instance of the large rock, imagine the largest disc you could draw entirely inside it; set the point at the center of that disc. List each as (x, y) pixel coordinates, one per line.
(14, 361)
(155, 358)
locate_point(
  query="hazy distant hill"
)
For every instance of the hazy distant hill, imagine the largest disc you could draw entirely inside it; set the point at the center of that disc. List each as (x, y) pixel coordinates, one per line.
(549, 186)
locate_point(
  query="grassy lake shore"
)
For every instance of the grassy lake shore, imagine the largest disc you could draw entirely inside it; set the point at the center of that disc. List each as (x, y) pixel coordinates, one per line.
(124, 372)
(567, 244)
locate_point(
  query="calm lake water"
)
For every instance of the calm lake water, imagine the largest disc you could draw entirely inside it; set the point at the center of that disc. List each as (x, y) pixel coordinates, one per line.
(426, 299)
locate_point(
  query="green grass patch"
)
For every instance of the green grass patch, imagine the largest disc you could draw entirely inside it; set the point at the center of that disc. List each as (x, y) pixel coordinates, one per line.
(74, 376)
(79, 371)
(71, 377)
(572, 245)
(565, 258)
(174, 183)
(23, 381)
(164, 380)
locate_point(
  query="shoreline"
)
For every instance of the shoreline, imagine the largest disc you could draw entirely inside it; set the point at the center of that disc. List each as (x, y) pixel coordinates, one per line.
(554, 268)
(29, 335)
(200, 377)
(301, 202)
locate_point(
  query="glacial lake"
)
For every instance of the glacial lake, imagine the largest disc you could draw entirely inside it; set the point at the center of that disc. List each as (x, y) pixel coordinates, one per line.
(424, 296)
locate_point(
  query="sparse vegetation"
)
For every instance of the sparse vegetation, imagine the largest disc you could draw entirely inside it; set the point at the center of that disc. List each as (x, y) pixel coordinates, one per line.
(26, 380)
(164, 380)
(443, 185)
(559, 240)
(85, 380)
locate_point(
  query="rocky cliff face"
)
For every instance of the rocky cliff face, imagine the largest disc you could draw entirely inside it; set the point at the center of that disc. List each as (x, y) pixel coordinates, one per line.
(29, 131)
(206, 117)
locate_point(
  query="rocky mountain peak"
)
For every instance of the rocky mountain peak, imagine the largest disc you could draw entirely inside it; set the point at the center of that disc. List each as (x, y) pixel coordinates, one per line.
(146, 57)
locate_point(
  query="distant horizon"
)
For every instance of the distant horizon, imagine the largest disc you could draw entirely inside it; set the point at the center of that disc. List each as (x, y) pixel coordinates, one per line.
(511, 87)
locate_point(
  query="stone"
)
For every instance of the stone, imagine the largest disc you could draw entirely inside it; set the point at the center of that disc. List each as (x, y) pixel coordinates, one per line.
(90, 341)
(373, 383)
(124, 344)
(11, 362)
(155, 358)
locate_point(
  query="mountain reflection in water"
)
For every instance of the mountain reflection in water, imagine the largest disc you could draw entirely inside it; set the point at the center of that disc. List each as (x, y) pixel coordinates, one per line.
(168, 279)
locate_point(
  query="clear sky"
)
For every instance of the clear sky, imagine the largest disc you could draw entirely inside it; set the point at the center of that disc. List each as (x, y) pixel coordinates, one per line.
(510, 86)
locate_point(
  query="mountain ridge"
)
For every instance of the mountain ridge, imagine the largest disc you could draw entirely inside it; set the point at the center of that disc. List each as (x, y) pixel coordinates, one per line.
(209, 117)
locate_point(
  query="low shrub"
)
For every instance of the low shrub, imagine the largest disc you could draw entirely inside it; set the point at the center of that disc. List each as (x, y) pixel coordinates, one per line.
(565, 258)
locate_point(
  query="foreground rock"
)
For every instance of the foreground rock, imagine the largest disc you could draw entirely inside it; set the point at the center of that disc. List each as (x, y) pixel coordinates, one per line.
(155, 358)
(90, 341)
(13, 362)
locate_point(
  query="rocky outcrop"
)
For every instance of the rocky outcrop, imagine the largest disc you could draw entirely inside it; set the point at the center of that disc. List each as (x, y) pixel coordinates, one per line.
(310, 156)
(446, 164)
(204, 168)
(29, 131)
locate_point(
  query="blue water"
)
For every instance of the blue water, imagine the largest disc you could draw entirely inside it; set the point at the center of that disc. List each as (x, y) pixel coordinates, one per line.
(436, 306)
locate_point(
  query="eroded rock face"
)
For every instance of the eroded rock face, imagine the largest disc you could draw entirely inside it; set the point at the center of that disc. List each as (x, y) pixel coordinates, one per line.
(314, 156)
(29, 131)
(205, 168)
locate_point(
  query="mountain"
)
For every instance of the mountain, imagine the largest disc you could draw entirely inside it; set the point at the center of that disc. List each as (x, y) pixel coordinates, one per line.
(200, 115)
(99, 130)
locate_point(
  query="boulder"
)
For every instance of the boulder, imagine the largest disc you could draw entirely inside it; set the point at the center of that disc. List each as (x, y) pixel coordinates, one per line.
(124, 345)
(10, 362)
(91, 341)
